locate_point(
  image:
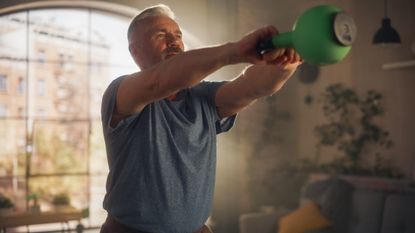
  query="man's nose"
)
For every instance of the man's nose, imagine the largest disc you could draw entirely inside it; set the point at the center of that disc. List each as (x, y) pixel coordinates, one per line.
(172, 40)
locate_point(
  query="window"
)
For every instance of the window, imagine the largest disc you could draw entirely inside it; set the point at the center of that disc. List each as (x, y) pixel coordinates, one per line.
(21, 86)
(20, 112)
(61, 59)
(3, 110)
(41, 87)
(3, 83)
(61, 98)
(41, 112)
(73, 55)
(41, 56)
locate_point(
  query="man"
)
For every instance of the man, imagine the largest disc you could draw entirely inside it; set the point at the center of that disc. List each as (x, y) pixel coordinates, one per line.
(160, 124)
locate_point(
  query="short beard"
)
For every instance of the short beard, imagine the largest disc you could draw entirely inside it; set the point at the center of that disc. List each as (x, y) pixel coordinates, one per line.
(169, 50)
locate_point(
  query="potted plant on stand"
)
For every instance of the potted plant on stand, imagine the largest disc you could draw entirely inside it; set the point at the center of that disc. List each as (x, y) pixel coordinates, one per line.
(34, 206)
(352, 131)
(6, 205)
(61, 202)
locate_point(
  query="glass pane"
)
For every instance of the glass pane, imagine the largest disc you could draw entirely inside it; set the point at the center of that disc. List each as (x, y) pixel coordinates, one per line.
(13, 37)
(100, 79)
(60, 147)
(14, 189)
(12, 151)
(12, 117)
(58, 85)
(59, 36)
(110, 57)
(109, 44)
(97, 213)
(46, 188)
(57, 93)
(98, 155)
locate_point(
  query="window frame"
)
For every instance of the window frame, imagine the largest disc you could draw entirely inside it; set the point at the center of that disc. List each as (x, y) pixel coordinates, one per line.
(23, 83)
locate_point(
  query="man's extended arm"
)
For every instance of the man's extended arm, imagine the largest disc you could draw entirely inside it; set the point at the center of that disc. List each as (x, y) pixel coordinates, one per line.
(256, 81)
(169, 76)
(185, 70)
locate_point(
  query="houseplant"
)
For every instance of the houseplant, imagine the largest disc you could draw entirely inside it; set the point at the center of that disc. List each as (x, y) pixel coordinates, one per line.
(33, 203)
(61, 201)
(351, 129)
(6, 204)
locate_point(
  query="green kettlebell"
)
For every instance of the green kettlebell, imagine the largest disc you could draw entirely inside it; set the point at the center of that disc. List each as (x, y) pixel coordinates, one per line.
(322, 35)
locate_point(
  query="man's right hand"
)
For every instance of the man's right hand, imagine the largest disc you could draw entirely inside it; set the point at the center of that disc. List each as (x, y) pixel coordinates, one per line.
(246, 48)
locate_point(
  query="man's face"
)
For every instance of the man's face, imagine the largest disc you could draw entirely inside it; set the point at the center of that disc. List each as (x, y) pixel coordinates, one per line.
(158, 38)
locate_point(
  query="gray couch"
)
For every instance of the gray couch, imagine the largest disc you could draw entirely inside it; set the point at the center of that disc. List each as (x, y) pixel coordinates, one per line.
(353, 205)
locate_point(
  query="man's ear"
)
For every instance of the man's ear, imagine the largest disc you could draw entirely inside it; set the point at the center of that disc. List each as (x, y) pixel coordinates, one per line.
(135, 52)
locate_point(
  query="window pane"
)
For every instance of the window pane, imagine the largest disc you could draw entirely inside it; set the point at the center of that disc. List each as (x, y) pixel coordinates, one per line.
(13, 107)
(58, 37)
(97, 213)
(50, 93)
(110, 59)
(3, 83)
(14, 188)
(12, 121)
(13, 101)
(12, 65)
(98, 154)
(109, 44)
(59, 147)
(58, 68)
(76, 187)
(12, 151)
(56, 93)
(13, 37)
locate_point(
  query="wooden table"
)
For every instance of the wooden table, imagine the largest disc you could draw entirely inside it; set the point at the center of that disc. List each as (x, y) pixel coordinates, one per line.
(28, 218)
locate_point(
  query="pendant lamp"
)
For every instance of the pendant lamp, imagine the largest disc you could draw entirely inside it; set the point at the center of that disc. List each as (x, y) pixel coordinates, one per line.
(386, 34)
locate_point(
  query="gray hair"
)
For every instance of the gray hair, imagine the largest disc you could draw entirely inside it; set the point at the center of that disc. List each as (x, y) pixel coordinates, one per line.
(156, 10)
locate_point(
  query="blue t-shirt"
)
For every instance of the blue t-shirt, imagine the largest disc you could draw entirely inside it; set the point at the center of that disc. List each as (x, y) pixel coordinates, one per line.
(162, 160)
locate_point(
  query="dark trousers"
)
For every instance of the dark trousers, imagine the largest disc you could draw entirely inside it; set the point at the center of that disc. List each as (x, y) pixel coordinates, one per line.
(112, 226)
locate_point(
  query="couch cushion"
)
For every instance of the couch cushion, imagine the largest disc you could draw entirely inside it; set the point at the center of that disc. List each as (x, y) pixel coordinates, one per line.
(303, 219)
(399, 214)
(265, 222)
(367, 207)
(334, 196)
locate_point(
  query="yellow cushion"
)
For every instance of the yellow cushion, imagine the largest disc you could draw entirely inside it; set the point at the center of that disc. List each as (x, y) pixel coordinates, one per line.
(306, 218)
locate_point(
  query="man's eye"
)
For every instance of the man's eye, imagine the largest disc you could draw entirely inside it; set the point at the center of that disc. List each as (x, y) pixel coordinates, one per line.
(160, 35)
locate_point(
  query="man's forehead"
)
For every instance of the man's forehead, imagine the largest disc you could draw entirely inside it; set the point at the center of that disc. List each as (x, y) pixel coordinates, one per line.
(159, 23)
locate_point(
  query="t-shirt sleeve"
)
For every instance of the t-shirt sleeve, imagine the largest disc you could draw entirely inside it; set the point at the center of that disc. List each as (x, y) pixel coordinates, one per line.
(208, 90)
(108, 103)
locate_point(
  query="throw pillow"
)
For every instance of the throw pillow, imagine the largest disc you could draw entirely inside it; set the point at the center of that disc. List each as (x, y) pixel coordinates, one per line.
(306, 218)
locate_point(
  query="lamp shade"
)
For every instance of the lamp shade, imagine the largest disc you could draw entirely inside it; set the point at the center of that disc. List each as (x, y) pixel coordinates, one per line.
(386, 33)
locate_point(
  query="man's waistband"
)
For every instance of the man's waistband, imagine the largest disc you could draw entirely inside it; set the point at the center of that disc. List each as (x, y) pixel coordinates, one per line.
(113, 226)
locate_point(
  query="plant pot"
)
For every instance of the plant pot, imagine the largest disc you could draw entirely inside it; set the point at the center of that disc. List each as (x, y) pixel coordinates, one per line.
(6, 211)
(62, 208)
(35, 209)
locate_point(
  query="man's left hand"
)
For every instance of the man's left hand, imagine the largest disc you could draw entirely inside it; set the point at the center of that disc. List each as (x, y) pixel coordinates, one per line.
(285, 58)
